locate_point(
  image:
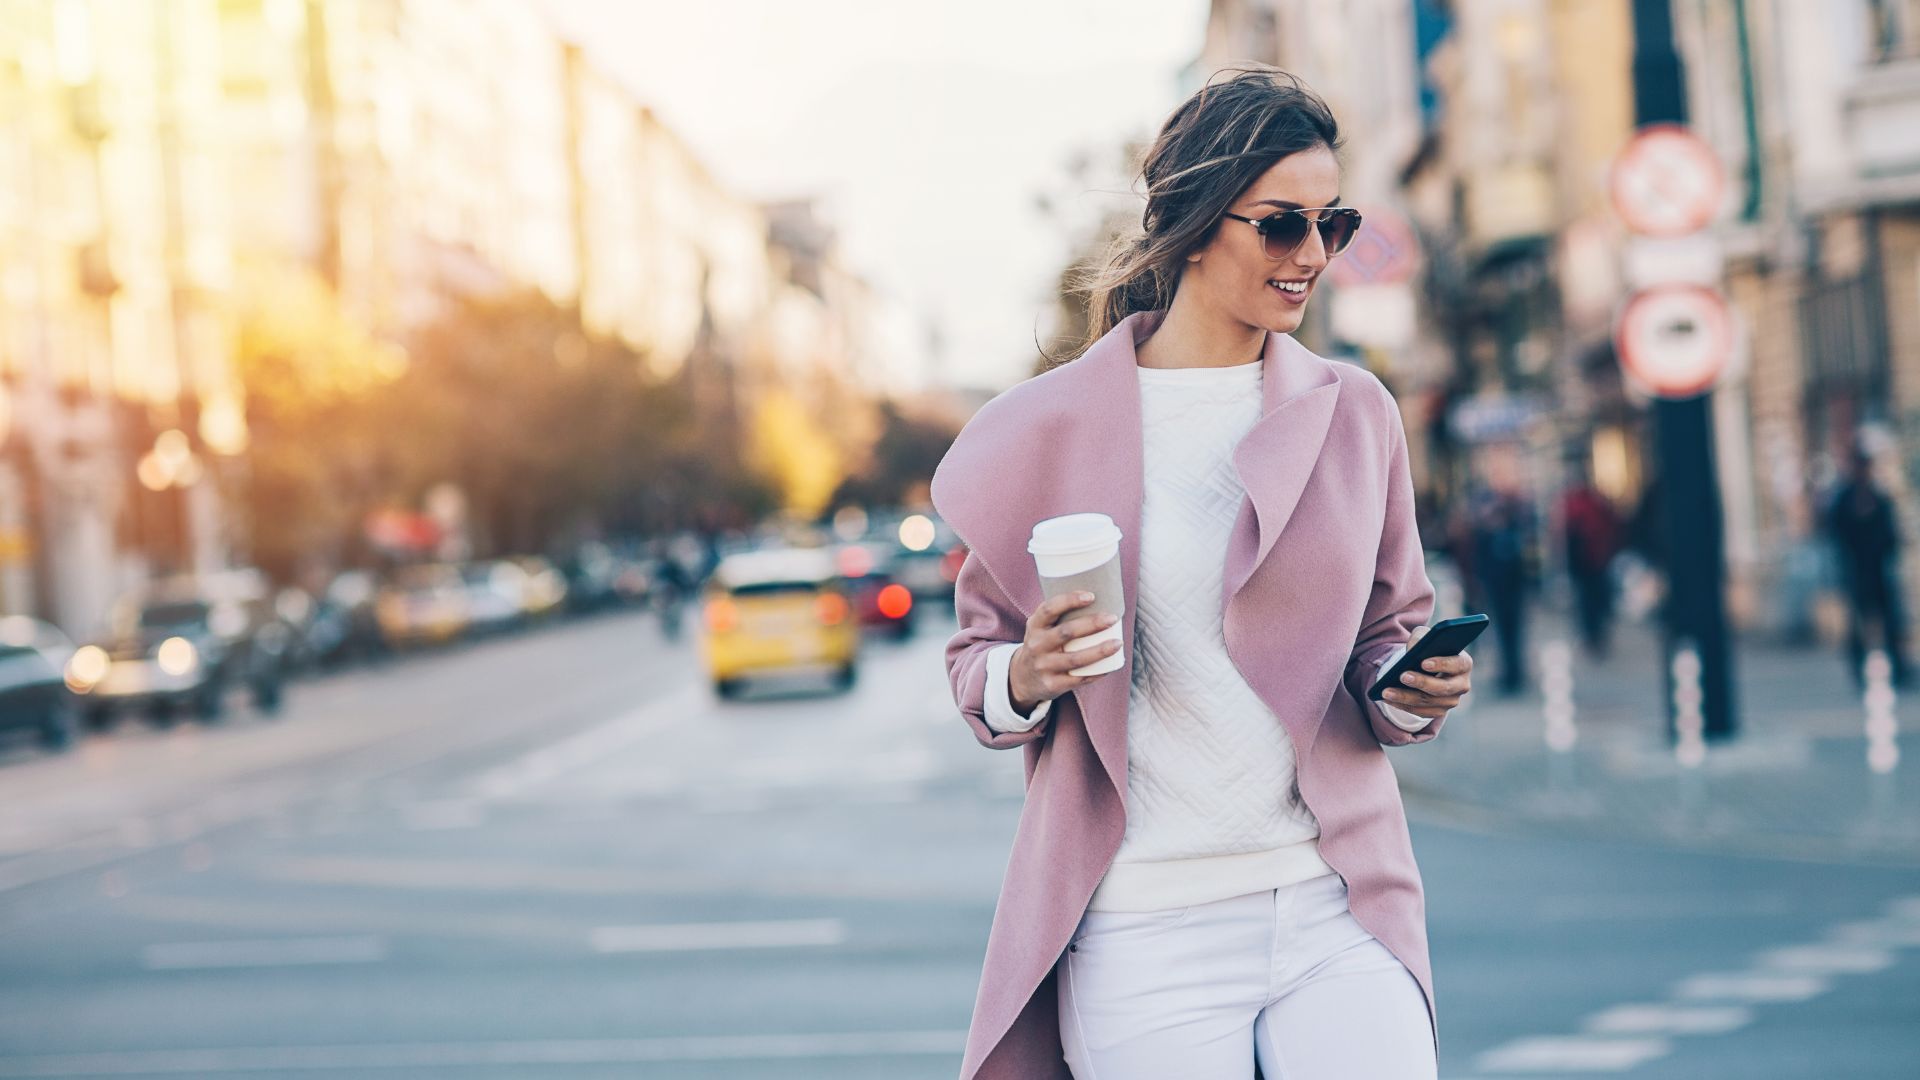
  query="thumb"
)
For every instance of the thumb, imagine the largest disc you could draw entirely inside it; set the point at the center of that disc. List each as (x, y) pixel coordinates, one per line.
(1418, 633)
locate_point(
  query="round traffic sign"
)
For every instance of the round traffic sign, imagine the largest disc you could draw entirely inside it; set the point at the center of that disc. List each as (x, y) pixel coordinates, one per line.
(1386, 251)
(1675, 339)
(1666, 182)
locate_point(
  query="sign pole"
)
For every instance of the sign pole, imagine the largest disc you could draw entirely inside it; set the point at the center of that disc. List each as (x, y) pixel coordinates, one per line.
(1694, 607)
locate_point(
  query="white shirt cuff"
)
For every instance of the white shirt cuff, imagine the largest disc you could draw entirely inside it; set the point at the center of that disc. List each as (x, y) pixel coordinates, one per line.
(1395, 715)
(1001, 715)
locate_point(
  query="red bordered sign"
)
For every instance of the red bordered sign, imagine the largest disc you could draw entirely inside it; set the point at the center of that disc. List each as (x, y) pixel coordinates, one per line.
(1675, 339)
(1667, 182)
(1385, 252)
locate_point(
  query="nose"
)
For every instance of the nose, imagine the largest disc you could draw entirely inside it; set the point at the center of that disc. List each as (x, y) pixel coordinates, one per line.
(1311, 256)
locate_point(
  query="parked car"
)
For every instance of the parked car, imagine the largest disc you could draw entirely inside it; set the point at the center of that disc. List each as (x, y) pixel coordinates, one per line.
(633, 580)
(591, 576)
(33, 690)
(879, 599)
(422, 604)
(543, 589)
(180, 649)
(775, 611)
(344, 627)
(495, 590)
(930, 571)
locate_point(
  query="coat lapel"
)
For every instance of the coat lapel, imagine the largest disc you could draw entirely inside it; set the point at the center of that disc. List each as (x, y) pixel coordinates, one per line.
(1297, 391)
(1069, 441)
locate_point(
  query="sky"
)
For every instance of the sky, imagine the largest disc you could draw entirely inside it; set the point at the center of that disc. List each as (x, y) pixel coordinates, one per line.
(926, 130)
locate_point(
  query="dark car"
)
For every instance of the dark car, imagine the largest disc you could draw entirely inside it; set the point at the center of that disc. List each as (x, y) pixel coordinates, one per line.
(343, 628)
(880, 600)
(33, 692)
(926, 555)
(174, 653)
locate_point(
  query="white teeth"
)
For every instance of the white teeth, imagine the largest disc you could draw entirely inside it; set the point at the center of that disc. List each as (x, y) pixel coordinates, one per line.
(1290, 286)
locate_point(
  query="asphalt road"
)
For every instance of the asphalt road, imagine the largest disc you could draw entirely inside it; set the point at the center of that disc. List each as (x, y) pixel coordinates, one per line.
(556, 855)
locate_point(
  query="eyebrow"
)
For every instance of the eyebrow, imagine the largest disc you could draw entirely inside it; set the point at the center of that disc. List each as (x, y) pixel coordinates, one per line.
(1285, 205)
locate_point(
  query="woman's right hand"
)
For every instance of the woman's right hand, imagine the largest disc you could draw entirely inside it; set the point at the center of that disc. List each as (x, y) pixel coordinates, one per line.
(1039, 671)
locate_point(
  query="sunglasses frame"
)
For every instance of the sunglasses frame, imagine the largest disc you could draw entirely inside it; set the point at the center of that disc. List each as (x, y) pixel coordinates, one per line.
(1313, 224)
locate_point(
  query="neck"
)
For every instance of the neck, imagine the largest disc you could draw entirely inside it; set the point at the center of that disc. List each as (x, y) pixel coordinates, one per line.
(1194, 335)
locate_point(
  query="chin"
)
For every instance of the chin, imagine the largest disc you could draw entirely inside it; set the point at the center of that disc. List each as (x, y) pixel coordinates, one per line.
(1285, 322)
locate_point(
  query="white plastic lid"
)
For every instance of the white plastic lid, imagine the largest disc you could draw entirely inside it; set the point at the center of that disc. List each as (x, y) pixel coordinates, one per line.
(1071, 534)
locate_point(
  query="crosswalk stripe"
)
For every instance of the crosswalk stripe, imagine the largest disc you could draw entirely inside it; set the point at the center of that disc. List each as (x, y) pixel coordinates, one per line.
(671, 937)
(272, 952)
(1570, 1053)
(531, 1052)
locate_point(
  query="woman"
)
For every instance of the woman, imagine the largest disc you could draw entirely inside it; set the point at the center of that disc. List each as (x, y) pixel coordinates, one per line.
(1212, 866)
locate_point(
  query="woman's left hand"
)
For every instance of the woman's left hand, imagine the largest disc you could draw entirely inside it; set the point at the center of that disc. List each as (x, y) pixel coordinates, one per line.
(1437, 687)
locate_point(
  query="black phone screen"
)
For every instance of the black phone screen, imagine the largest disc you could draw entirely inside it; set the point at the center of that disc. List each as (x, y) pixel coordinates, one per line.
(1443, 638)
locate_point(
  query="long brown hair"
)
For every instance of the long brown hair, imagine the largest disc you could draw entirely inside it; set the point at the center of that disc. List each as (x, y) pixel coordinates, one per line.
(1210, 150)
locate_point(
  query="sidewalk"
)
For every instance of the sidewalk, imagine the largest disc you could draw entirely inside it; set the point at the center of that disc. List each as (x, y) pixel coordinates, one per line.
(1794, 782)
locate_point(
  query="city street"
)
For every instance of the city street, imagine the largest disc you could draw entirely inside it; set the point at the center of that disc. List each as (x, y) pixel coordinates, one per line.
(557, 855)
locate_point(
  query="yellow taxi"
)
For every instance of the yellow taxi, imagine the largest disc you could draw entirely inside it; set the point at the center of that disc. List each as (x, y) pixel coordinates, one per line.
(778, 611)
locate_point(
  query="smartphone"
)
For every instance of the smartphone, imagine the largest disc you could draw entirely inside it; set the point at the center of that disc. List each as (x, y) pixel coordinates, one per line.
(1444, 638)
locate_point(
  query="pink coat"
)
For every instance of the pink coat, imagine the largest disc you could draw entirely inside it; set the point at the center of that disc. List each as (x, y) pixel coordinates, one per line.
(1324, 575)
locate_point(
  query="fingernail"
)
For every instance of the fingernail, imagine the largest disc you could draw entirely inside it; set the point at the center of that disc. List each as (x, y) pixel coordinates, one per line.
(1083, 596)
(1407, 678)
(1431, 665)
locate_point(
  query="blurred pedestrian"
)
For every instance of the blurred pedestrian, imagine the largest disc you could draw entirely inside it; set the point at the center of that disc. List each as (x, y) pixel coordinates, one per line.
(1504, 523)
(672, 586)
(1591, 533)
(1459, 548)
(1860, 522)
(1213, 871)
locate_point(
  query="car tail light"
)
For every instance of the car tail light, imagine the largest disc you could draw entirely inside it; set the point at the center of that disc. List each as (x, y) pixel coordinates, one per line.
(832, 608)
(722, 615)
(895, 601)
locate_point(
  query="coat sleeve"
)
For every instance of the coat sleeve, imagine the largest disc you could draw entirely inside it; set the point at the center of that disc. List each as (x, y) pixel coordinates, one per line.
(1402, 596)
(987, 619)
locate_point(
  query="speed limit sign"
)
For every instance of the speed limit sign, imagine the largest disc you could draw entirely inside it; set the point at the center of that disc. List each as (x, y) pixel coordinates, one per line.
(1675, 339)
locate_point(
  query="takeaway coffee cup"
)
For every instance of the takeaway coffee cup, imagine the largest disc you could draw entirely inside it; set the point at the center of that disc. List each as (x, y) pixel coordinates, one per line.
(1077, 552)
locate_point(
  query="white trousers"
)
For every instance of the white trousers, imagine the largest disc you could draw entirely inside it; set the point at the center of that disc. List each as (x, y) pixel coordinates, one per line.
(1286, 975)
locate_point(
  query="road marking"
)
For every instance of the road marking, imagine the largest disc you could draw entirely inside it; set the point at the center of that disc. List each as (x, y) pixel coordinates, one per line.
(1827, 959)
(1669, 1019)
(443, 814)
(1570, 1053)
(1754, 986)
(271, 952)
(1714, 1004)
(459, 875)
(363, 1057)
(731, 801)
(588, 747)
(673, 937)
(1889, 933)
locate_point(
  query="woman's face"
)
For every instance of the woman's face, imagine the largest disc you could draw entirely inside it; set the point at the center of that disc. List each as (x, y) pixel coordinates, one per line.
(1232, 271)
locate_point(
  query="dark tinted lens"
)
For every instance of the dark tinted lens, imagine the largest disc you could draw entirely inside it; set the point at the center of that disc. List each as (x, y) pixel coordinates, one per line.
(1337, 229)
(1283, 232)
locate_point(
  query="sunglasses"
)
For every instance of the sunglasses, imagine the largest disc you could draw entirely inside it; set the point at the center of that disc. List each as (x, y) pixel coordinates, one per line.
(1283, 231)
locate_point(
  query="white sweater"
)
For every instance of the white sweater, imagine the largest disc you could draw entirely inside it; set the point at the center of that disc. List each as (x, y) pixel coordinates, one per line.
(1212, 810)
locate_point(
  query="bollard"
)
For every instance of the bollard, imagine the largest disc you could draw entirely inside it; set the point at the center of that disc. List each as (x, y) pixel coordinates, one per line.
(1556, 687)
(1690, 747)
(1883, 731)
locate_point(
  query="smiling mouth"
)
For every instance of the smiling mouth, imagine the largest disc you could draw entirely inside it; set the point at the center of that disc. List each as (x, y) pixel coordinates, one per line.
(1292, 290)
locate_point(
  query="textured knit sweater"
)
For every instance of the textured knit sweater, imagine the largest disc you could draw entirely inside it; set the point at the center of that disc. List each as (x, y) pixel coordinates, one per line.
(1212, 806)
